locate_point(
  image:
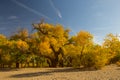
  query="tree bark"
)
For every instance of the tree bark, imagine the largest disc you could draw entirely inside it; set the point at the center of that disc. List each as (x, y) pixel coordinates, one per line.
(17, 65)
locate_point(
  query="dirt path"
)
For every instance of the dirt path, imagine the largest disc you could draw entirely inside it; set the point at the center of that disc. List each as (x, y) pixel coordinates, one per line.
(111, 72)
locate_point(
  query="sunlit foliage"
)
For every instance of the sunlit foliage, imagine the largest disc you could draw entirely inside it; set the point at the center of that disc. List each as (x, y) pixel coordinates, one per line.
(112, 44)
(52, 46)
(53, 38)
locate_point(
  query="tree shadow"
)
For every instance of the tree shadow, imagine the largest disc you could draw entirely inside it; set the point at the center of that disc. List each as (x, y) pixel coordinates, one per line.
(118, 69)
(49, 72)
(8, 69)
(31, 74)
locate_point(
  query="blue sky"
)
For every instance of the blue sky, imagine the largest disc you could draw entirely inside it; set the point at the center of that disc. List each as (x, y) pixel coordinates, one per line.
(99, 17)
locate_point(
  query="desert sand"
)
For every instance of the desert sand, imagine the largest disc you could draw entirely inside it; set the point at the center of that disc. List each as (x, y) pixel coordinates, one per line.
(111, 72)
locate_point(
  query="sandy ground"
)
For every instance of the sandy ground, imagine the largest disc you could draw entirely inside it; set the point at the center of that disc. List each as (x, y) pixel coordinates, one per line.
(111, 72)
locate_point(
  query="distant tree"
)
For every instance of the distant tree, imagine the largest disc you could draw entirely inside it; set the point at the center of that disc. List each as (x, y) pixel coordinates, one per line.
(20, 34)
(20, 52)
(5, 55)
(20, 46)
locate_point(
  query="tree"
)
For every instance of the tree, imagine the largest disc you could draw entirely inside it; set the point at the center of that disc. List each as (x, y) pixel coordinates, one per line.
(20, 46)
(112, 44)
(20, 34)
(53, 38)
(71, 53)
(21, 49)
(5, 55)
(100, 56)
(83, 41)
(34, 49)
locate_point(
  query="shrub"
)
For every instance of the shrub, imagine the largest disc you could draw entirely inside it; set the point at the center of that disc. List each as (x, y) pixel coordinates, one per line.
(88, 60)
(100, 61)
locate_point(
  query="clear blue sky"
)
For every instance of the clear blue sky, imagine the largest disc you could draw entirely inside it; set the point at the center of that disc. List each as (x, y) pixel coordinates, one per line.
(99, 17)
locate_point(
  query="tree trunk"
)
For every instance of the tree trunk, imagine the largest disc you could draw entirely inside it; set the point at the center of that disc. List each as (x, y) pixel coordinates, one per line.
(17, 65)
(54, 62)
(3, 66)
(49, 63)
(37, 64)
(33, 63)
(9, 65)
(81, 54)
(61, 63)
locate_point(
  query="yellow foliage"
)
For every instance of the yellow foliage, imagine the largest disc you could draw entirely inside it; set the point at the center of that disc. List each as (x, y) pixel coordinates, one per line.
(83, 37)
(2, 36)
(72, 50)
(2, 39)
(20, 34)
(101, 57)
(23, 32)
(6, 57)
(112, 45)
(58, 31)
(62, 41)
(45, 39)
(53, 41)
(9, 43)
(22, 45)
(46, 26)
(44, 48)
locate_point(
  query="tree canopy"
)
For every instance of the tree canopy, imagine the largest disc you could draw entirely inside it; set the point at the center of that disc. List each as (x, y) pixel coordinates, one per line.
(52, 46)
